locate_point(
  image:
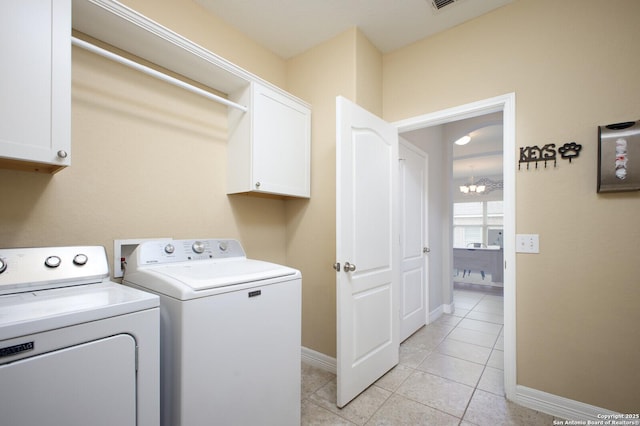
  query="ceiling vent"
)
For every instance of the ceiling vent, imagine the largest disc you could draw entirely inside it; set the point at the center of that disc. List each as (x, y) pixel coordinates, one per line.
(439, 4)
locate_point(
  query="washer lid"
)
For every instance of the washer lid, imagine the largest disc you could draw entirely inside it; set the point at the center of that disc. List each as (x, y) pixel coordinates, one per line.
(203, 275)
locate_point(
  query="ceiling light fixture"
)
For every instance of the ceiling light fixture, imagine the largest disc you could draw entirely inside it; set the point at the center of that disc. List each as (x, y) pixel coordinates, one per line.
(472, 188)
(463, 140)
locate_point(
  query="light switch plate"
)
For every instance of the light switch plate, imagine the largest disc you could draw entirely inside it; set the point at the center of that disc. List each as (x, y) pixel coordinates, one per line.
(527, 243)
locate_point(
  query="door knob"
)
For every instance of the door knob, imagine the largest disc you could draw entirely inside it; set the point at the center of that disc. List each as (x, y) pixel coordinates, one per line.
(426, 250)
(349, 267)
(336, 266)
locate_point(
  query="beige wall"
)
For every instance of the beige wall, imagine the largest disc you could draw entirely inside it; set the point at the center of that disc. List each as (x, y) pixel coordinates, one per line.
(350, 66)
(368, 75)
(573, 65)
(148, 159)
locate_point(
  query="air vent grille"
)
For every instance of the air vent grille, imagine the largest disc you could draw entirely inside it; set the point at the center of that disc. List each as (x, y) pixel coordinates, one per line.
(439, 4)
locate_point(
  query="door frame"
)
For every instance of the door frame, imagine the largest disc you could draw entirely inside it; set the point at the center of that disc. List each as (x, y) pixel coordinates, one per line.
(507, 104)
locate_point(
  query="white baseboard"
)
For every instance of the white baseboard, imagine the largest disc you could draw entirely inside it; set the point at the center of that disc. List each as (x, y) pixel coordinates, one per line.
(442, 309)
(435, 314)
(449, 309)
(319, 360)
(558, 406)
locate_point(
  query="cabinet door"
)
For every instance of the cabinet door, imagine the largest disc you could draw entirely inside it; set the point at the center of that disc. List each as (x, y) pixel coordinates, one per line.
(281, 144)
(35, 84)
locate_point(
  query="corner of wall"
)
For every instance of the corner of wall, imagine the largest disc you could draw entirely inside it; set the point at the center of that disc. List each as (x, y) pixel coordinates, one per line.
(368, 76)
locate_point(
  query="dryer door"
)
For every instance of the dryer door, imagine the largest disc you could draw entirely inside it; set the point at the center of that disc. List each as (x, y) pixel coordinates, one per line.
(92, 383)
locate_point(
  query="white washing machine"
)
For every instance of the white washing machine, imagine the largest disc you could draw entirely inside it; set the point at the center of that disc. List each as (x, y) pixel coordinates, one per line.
(75, 348)
(230, 333)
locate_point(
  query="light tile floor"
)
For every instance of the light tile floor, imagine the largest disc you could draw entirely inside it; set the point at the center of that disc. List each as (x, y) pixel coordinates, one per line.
(450, 373)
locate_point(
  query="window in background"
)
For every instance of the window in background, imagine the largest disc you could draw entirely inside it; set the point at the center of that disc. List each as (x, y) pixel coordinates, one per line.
(473, 220)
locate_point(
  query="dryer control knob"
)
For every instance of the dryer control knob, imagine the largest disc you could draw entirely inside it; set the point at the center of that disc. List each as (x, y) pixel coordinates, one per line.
(80, 259)
(223, 246)
(169, 249)
(52, 261)
(198, 247)
(3, 265)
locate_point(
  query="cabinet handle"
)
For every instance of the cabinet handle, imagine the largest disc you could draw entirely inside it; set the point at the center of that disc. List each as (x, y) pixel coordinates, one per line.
(62, 154)
(257, 184)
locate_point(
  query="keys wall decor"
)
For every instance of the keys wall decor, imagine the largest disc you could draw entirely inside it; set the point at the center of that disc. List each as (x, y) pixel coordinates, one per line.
(548, 153)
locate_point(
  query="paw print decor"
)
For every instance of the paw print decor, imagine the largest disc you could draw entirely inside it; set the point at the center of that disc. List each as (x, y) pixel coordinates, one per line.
(548, 153)
(570, 150)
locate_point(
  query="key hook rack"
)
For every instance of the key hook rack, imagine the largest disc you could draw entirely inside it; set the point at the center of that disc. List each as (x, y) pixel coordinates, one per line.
(548, 153)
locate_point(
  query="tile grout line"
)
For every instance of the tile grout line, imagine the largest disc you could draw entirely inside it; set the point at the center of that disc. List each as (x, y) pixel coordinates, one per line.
(414, 369)
(381, 405)
(475, 389)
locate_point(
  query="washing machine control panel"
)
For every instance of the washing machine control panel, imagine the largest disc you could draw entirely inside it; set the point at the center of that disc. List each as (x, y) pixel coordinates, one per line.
(157, 252)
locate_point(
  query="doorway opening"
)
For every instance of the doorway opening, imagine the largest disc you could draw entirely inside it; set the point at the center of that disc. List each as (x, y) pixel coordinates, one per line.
(443, 184)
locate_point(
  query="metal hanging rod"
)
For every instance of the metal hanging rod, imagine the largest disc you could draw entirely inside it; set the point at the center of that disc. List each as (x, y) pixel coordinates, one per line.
(153, 73)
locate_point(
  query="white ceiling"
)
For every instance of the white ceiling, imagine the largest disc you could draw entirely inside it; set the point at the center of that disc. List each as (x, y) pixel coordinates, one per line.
(482, 157)
(289, 27)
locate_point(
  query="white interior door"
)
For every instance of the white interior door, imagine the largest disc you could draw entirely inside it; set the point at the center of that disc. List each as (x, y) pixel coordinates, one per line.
(367, 249)
(413, 246)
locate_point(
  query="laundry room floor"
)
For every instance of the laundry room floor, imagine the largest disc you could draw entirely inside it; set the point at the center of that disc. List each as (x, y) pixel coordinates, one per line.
(450, 373)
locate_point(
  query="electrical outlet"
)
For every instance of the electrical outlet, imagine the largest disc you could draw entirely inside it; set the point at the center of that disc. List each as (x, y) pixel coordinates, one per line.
(122, 249)
(527, 243)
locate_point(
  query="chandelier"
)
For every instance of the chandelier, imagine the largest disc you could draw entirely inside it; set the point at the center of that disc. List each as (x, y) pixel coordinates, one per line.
(483, 185)
(472, 188)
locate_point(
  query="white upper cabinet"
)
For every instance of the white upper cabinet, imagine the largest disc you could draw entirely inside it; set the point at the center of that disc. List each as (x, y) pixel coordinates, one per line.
(269, 145)
(35, 85)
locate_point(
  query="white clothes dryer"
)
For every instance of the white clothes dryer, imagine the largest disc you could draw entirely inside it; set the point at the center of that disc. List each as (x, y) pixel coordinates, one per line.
(75, 348)
(230, 332)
